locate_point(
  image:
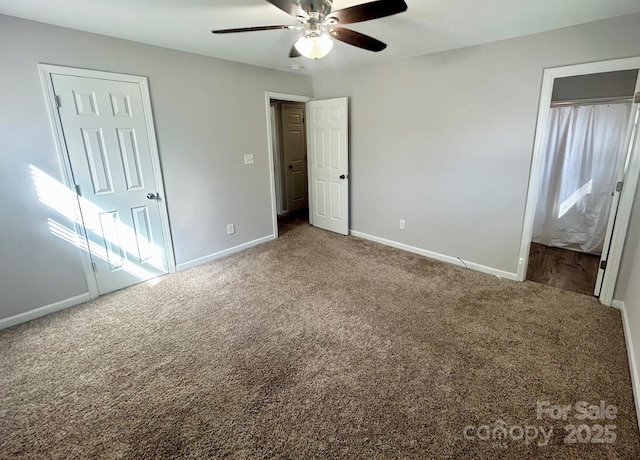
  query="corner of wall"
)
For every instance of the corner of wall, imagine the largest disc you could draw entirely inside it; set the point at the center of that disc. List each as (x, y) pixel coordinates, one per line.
(633, 367)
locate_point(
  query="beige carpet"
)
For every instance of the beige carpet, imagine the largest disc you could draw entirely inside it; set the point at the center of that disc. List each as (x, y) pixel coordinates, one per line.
(315, 346)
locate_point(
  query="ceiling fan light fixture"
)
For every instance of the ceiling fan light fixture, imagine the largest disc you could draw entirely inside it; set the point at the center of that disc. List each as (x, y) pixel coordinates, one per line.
(321, 25)
(314, 46)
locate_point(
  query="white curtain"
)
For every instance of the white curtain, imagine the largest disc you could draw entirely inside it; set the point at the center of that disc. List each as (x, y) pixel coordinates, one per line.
(583, 153)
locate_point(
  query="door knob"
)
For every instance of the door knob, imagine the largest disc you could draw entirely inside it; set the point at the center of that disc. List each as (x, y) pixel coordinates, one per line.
(151, 196)
(290, 166)
(344, 177)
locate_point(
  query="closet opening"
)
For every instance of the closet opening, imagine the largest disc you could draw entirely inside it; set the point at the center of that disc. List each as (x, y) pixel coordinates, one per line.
(584, 160)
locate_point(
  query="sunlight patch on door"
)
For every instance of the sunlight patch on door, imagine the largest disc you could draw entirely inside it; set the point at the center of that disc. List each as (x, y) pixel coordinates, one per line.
(70, 236)
(121, 241)
(109, 226)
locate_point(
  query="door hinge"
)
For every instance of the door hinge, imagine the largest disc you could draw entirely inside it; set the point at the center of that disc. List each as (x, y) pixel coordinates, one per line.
(78, 190)
(636, 98)
(94, 267)
(619, 186)
(603, 265)
(57, 98)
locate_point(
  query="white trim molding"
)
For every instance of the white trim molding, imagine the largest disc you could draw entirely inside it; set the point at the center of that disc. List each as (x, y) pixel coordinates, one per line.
(626, 199)
(437, 256)
(268, 95)
(224, 252)
(45, 310)
(633, 364)
(619, 304)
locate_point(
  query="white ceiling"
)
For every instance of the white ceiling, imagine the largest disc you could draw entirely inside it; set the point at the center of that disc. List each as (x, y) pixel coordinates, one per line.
(428, 26)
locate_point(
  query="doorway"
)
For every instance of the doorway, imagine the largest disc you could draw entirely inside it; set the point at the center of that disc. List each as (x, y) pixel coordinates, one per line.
(585, 151)
(325, 158)
(277, 168)
(290, 160)
(585, 157)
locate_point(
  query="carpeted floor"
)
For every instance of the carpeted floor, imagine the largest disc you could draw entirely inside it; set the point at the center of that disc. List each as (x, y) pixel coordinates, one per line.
(317, 346)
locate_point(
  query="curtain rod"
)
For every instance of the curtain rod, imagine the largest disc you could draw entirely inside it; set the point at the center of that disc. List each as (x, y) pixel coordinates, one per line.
(597, 100)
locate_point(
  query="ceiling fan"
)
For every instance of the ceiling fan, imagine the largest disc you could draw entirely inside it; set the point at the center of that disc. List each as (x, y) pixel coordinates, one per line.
(319, 24)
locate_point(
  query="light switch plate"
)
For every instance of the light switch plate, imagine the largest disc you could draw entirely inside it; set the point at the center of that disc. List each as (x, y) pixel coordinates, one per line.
(231, 229)
(248, 159)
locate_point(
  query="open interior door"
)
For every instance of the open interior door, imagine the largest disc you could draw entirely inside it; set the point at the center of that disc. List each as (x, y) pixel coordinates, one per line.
(623, 170)
(328, 147)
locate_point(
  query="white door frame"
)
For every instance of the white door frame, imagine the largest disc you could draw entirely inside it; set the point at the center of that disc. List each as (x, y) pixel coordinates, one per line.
(628, 191)
(46, 71)
(268, 95)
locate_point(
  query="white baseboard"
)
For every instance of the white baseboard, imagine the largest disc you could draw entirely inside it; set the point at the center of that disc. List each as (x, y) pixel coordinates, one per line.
(225, 252)
(437, 256)
(619, 304)
(633, 364)
(57, 306)
(41, 311)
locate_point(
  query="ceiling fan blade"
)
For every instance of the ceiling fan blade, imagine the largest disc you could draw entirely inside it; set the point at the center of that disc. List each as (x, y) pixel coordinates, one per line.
(368, 11)
(357, 39)
(250, 29)
(294, 53)
(289, 6)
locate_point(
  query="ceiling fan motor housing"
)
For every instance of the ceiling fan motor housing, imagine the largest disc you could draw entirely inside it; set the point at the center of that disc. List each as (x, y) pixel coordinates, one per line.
(319, 7)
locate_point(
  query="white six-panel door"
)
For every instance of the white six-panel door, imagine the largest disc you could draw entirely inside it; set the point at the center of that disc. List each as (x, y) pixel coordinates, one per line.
(106, 135)
(328, 164)
(631, 138)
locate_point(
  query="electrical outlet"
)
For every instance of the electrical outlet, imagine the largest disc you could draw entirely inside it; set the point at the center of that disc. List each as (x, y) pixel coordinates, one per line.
(248, 159)
(231, 229)
(401, 224)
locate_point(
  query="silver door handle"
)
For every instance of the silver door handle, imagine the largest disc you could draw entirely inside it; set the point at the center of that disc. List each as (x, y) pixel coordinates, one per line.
(152, 196)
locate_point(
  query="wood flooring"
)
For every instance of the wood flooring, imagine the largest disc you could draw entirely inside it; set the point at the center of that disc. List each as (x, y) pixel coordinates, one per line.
(562, 268)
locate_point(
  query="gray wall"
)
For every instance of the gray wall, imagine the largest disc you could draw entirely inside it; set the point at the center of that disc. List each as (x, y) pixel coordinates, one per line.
(632, 307)
(445, 141)
(208, 113)
(630, 246)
